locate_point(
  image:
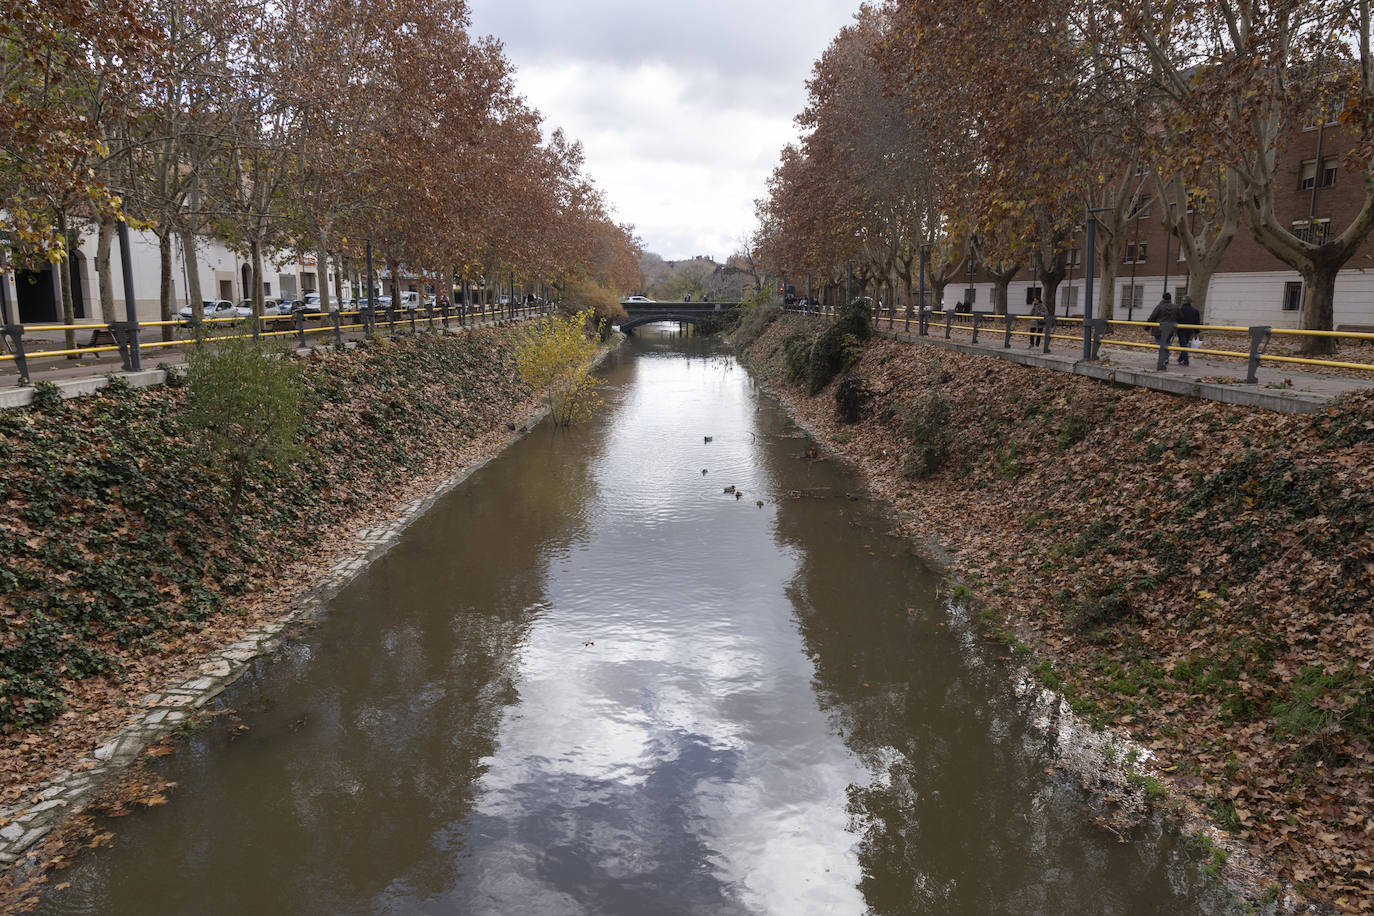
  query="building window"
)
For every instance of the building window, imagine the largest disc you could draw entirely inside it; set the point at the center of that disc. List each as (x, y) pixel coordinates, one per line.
(970, 296)
(1315, 232)
(1331, 115)
(1033, 293)
(1075, 257)
(1312, 176)
(1328, 176)
(1142, 207)
(1292, 297)
(1129, 301)
(1068, 298)
(1135, 252)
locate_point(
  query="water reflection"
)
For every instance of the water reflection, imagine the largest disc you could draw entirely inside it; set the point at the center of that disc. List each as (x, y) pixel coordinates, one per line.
(592, 681)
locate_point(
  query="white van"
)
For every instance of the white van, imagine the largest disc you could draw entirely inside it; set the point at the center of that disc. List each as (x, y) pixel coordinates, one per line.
(410, 301)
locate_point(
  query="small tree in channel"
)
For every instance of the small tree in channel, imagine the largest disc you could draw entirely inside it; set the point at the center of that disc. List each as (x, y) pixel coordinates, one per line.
(245, 406)
(555, 356)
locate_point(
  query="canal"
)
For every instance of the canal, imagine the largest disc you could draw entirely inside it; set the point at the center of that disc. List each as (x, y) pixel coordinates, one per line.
(592, 681)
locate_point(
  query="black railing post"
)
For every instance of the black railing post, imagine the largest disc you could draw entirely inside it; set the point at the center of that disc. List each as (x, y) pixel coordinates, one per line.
(298, 321)
(1006, 330)
(1259, 342)
(1099, 331)
(949, 322)
(976, 316)
(133, 361)
(1049, 329)
(336, 321)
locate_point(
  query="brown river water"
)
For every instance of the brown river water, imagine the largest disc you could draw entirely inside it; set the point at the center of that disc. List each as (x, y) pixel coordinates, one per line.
(590, 681)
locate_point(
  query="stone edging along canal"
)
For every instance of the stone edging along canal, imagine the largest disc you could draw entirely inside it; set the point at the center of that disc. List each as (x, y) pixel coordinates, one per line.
(1115, 771)
(159, 714)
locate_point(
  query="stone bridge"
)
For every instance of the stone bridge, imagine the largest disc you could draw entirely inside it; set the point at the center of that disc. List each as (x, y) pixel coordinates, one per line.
(639, 313)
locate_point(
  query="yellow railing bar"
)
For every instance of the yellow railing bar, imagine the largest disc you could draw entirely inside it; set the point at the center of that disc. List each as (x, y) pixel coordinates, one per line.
(1316, 362)
(1294, 332)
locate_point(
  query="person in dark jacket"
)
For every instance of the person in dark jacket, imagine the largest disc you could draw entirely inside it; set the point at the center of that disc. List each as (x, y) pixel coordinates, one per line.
(1165, 311)
(1037, 325)
(1186, 315)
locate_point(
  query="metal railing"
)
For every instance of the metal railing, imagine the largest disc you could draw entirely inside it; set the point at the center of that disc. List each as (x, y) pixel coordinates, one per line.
(1040, 331)
(125, 335)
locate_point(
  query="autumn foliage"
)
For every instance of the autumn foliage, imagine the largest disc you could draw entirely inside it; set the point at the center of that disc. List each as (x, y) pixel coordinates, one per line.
(554, 357)
(294, 127)
(985, 133)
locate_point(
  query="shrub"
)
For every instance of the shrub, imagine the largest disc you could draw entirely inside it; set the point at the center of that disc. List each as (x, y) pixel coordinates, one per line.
(852, 394)
(759, 310)
(839, 346)
(244, 406)
(554, 356)
(927, 430)
(583, 296)
(47, 397)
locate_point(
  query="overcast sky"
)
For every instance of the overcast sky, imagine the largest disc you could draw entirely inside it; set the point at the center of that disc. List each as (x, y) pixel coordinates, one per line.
(681, 107)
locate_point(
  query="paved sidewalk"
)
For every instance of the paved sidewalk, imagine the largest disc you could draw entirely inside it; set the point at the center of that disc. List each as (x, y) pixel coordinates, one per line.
(1280, 388)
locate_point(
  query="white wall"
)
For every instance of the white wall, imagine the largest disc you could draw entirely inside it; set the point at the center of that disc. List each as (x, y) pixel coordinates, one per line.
(215, 261)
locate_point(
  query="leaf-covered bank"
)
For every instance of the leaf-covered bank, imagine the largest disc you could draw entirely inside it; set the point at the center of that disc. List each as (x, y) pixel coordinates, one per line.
(1196, 575)
(120, 566)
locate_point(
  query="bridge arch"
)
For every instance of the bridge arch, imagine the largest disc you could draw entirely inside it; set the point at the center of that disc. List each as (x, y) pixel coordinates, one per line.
(697, 319)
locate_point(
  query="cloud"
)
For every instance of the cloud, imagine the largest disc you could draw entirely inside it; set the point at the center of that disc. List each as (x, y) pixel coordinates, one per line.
(681, 109)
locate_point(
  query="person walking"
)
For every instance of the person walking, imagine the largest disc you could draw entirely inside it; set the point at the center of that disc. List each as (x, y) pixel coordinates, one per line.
(1187, 315)
(1037, 324)
(1165, 311)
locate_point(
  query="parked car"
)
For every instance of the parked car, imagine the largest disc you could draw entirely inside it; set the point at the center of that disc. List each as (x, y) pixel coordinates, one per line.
(629, 299)
(311, 303)
(210, 308)
(245, 308)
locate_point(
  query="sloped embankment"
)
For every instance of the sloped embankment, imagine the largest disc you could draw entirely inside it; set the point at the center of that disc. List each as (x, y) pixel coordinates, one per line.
(120, 567)
(1196, 575)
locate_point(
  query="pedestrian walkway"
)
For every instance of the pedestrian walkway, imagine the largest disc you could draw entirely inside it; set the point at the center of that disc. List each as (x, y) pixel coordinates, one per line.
(1218, 379)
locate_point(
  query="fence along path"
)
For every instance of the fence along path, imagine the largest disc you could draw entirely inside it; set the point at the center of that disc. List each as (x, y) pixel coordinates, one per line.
(1259, 365)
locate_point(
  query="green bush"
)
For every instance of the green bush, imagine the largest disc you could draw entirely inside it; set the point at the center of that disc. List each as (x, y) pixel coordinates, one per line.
(244, 406)
(758, 314)
(927, 430)
(852, 394)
